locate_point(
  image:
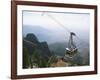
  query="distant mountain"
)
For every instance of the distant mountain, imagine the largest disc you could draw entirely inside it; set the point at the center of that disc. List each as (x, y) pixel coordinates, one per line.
(44, 34)
(81, 58)
(51, 35)
(62, 45)
(41, 33)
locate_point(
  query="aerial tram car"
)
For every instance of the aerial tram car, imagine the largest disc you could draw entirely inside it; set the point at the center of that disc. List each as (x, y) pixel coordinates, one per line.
(71, 50)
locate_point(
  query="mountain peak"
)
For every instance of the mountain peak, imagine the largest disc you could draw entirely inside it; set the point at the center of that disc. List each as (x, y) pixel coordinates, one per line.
(31, 37)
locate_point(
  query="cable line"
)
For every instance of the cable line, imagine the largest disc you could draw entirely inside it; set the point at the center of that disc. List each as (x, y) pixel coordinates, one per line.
(65, 28)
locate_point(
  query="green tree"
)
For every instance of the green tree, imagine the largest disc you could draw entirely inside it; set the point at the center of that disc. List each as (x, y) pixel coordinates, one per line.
(38, 59)
(26, 58)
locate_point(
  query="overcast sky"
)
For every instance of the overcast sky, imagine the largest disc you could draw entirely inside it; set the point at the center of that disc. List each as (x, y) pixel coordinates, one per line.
(74, 22)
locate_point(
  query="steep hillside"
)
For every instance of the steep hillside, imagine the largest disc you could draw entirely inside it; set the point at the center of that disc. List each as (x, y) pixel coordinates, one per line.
(38, 52)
